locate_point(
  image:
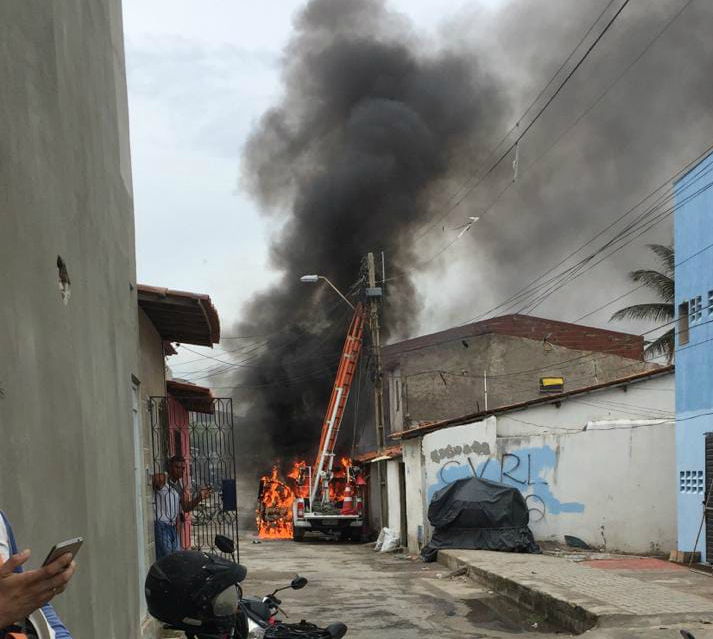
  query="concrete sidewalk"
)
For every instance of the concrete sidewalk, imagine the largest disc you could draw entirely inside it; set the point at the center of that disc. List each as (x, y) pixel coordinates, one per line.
(582, 594)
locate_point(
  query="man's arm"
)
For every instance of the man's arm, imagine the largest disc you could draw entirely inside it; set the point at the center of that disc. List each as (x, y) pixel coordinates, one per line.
(188, 504)
(60, 631)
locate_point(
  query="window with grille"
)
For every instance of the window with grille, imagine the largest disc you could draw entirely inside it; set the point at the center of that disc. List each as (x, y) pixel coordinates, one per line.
(710, 302)
(696, 309)
(690, 481)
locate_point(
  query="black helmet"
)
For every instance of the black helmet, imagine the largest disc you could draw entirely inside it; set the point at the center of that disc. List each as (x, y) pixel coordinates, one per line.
(194, 591)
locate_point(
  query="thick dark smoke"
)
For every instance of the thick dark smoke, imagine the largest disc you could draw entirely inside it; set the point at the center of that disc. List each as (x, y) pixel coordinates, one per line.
(377, 127)
(368, 127)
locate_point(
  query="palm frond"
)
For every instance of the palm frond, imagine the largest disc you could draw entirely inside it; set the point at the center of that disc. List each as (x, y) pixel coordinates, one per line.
(663, 345)
(655, 312)
(666, 255)
(661, 284)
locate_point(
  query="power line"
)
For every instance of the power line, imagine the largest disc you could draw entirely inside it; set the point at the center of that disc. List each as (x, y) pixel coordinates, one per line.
(429, 226)
(528, 290)
(560, 137)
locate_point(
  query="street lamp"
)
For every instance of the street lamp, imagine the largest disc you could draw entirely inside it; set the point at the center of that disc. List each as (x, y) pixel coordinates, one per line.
(313, 279)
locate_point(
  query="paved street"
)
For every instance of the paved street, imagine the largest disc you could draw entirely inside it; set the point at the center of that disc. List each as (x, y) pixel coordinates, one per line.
(376, 593)
(380, 595)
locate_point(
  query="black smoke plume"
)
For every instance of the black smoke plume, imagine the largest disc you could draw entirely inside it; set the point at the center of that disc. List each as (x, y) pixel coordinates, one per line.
(378, 126)
(369, 126)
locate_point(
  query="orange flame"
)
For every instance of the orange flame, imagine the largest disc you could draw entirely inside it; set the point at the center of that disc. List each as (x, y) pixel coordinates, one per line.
(274, 511)
(275, 499)
(276, 496)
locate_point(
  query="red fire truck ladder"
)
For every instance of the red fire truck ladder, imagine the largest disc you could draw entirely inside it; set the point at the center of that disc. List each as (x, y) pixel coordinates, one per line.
(337, 404)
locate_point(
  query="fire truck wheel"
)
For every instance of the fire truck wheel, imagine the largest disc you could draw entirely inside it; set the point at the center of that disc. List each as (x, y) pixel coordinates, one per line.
(298, 534)
(351, 535)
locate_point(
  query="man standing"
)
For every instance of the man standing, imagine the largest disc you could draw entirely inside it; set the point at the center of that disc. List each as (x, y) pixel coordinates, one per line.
(171, 499)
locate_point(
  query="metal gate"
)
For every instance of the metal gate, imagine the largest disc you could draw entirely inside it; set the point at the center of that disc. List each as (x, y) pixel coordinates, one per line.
(202, 433)
(708, 513)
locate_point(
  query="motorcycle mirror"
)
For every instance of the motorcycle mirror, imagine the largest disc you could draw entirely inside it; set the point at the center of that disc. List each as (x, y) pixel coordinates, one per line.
(336, 630)
(298, 582)
(225, 544)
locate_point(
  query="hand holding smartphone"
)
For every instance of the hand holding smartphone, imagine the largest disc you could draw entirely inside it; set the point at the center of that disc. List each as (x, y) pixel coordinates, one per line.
(62, 548)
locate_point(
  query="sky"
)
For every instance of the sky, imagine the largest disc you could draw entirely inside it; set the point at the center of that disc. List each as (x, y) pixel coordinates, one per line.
(200, 75)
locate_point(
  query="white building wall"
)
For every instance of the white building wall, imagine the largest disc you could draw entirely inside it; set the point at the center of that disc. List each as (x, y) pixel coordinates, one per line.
(600, 466)
(415, 494)
(393, 492)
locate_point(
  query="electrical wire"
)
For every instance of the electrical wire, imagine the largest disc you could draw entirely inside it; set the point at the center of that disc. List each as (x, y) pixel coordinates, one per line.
(562, 135)
(431, 225)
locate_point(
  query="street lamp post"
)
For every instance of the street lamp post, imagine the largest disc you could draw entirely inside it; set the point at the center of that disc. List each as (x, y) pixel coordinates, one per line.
(312, 279)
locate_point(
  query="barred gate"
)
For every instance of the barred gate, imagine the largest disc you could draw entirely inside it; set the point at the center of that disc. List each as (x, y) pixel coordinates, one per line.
(200, 431)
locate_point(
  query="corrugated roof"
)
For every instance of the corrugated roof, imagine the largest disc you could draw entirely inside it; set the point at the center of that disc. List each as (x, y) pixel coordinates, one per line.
(180, 316)
(550, 399)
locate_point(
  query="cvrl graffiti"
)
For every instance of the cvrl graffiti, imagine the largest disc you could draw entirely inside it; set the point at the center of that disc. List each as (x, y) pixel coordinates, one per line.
(525, 469)
(536, 505)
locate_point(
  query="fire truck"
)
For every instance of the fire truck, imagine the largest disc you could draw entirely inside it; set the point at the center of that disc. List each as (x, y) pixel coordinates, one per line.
(330, 497)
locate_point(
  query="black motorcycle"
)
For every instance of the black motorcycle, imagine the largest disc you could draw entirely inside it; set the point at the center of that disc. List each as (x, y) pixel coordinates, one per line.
(258, 616)
(199, 594)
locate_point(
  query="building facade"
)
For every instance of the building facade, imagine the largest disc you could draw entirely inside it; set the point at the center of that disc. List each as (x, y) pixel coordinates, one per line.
(496, 362)
(582, 460)
(693, 244)
(478, 367)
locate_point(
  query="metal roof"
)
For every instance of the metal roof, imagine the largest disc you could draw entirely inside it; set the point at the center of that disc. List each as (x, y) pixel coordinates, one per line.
(180, 316)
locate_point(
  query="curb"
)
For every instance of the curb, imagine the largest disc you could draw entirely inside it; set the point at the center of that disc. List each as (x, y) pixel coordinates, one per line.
(570, 615)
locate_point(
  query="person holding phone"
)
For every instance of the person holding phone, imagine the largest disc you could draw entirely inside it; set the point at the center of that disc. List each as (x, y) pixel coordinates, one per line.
(25, 596)
(171, 499)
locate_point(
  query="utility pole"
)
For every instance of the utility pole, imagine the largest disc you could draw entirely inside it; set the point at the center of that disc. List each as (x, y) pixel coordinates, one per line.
(374, 295)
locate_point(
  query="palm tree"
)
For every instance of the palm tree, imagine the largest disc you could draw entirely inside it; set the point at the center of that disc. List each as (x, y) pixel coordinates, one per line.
(662, 283)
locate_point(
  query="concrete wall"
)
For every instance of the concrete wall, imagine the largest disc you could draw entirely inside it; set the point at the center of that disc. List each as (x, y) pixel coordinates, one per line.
(152, 378)
(694, 360)
(66, 370)
(445, 380)
(416, 505)
(599, 467)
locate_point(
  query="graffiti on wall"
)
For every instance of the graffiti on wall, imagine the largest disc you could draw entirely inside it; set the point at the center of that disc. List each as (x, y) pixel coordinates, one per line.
(449, 452)
(525, 468)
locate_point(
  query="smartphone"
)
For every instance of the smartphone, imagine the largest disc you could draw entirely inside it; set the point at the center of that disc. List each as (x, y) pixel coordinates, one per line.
(62, 548)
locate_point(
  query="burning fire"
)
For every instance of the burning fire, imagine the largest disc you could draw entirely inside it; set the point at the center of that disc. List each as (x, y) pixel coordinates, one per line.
(276, 496)
(274, 512)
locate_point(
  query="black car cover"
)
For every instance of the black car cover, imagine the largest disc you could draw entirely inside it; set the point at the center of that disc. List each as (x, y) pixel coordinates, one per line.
(479, 514)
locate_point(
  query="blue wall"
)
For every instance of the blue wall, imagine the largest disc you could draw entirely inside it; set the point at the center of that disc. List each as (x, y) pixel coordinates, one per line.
(693, 231)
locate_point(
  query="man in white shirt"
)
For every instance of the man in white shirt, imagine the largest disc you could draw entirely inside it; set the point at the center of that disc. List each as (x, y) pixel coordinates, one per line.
(171, 498)
(26, 595)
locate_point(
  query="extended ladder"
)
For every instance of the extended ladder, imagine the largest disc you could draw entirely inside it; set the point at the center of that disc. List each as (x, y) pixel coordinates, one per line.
(337, 404)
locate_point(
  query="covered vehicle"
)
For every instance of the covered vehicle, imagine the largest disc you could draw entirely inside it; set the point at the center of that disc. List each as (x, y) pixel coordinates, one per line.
(479, 514)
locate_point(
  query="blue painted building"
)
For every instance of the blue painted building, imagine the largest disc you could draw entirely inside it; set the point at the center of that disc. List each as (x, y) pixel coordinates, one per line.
(693, 233)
